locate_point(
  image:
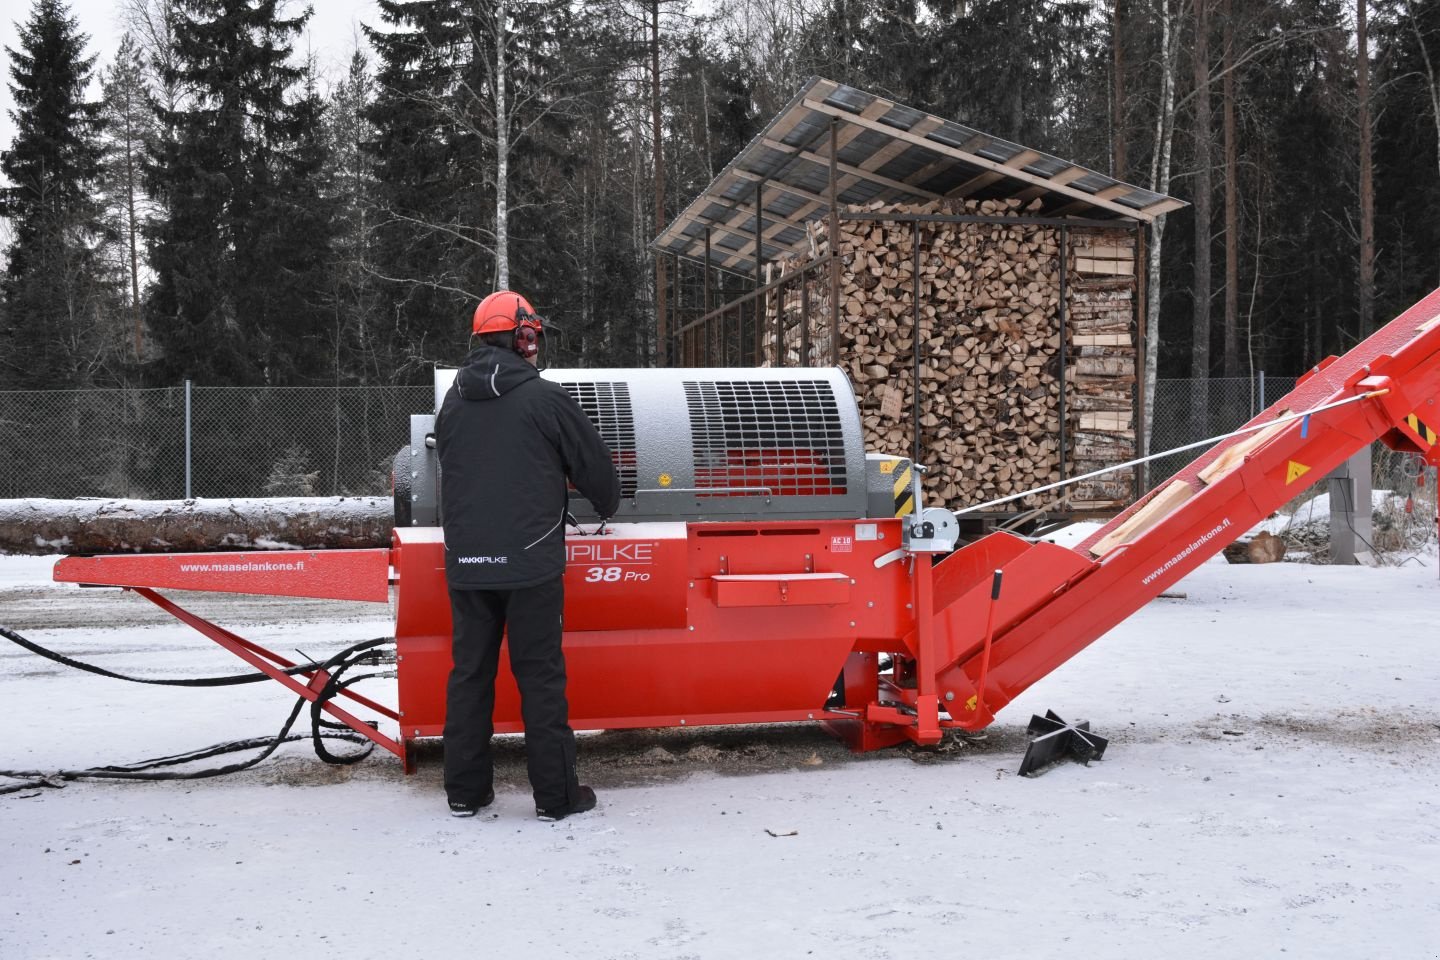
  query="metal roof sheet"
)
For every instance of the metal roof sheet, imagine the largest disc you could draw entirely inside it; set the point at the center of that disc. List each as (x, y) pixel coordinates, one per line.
(886, 151)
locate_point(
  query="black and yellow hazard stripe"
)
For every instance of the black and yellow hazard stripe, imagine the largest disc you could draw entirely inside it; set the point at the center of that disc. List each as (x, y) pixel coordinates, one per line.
(1421, 430)
(904, 496)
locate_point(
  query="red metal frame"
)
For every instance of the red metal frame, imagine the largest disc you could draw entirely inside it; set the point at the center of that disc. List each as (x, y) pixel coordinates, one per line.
(274, 666)
(675, 624)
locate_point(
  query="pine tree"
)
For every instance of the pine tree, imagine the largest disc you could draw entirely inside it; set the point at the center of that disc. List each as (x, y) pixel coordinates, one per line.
(238, 257)
(349, 180)
(128, 125)
(55, 291)
(429, 235)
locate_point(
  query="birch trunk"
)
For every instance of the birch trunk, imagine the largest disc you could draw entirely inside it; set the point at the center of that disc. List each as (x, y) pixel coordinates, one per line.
(1200, 317)
(502, 152)
(1159, 183)
(1232, 218)
(1367, 180)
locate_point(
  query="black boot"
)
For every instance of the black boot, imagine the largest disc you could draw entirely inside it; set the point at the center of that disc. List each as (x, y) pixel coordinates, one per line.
(585, 800)
(462, 808)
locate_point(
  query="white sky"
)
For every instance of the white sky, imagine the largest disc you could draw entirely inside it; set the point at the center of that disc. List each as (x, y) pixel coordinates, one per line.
(333, 32)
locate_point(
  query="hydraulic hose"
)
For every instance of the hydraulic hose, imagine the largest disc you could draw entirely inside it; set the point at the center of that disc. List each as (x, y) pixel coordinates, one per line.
(361, 653)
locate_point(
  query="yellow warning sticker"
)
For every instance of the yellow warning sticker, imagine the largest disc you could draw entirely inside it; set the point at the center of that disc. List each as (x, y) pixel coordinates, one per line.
(1295, 471)
(665, 479)
(889, 466)
(1422, 430)
(904, 494)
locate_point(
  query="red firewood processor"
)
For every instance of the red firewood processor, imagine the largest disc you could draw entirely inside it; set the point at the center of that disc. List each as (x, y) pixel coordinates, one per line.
(765, 567)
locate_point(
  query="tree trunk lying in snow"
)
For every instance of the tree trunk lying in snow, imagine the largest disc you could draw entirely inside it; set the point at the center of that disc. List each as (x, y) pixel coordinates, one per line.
(37, 526)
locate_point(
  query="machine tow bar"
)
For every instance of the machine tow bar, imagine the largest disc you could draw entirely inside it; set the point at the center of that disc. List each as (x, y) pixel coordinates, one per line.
(1052, 739)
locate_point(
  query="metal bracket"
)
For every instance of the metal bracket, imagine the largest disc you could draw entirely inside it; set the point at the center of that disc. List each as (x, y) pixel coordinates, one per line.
(1053, 739)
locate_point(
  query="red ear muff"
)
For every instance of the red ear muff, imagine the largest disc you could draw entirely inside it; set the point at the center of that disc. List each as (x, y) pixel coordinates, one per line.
(527, 341)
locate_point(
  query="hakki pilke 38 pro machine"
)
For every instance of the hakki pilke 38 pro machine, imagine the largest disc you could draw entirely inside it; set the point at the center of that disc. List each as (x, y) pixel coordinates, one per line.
(765, 567)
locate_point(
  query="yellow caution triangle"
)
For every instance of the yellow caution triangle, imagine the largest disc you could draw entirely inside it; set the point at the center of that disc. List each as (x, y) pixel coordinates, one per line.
(1295, 471)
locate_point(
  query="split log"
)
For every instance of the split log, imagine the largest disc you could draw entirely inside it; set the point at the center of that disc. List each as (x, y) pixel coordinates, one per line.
(36, 526)
(985, 394)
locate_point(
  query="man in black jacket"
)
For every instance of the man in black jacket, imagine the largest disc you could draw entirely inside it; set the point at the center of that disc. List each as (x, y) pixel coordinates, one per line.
(507, 442)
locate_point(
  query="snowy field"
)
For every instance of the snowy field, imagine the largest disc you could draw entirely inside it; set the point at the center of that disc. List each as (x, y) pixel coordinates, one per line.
(1272, 788)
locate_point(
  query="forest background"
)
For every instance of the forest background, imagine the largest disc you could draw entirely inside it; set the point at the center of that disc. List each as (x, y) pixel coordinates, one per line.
(211, 203)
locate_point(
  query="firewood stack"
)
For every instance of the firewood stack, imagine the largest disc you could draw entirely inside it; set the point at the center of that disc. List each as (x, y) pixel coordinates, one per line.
(990, 349)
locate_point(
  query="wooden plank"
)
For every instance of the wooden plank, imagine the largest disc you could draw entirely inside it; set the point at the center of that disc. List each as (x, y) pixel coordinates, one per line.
(1164, 206)
(1106, 251)
(1164, 503)
(1068, 175)
(1105, 268)
(1101, 340)
(1110, 421)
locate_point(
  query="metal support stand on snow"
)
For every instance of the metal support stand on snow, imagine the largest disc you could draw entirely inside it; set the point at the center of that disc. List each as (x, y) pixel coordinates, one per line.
(1052, 739)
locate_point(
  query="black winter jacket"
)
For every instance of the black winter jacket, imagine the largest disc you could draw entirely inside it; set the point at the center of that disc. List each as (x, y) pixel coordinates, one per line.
(507, 441)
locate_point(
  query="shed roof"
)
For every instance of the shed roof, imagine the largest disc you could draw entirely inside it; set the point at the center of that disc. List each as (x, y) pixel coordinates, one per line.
(885, 151)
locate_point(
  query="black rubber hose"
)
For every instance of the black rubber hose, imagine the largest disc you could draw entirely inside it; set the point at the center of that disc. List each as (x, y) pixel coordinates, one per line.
(224, 681)
(145, 769)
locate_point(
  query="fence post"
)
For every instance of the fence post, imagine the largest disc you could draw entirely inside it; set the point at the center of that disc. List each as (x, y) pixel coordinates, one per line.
(1263, 404)
(187, 439)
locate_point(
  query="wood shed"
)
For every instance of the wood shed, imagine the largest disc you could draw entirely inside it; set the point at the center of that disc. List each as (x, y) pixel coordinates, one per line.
(986, 299)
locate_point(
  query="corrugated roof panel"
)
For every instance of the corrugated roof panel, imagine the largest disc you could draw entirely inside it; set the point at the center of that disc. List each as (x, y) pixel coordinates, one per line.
(1046, 166)
(790, 236)
(903, 117)
(952, 134)
(784, 204)
(728, 240)
(862, 192)
(762, 160)
(907, 163)
(1093, 182)
(717, 212)
(951, 177)
(807, 131)
(863, 147)
(739, 189)
(999, 151)
(849, 98)
(808, 175)
(1140, 199)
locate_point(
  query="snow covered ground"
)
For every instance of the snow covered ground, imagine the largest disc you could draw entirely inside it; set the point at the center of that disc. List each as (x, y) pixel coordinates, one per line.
(1272, 789)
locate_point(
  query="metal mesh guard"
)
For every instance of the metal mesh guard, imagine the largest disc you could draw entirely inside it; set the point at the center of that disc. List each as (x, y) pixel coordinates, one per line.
(766, 438)
(608, 407)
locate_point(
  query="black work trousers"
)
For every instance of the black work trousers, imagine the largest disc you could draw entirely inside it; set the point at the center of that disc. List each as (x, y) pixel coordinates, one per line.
(531, 617)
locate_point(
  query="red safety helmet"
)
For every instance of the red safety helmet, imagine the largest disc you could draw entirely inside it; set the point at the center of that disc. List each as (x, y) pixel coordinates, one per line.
(505, 310)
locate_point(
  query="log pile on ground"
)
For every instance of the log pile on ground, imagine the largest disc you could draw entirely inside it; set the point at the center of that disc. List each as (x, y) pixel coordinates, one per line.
(36, 526)
(989, 348)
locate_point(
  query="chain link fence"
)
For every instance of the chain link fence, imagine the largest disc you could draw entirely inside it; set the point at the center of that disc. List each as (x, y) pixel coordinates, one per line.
(1403, 507)
(1229, 403)
(329, 441)
(238, 441)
